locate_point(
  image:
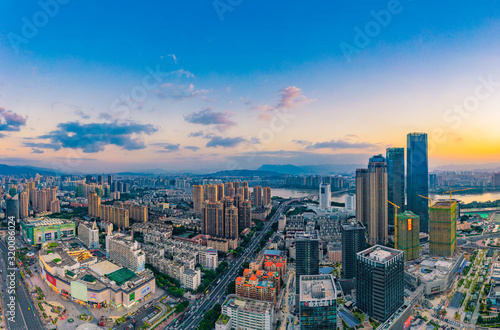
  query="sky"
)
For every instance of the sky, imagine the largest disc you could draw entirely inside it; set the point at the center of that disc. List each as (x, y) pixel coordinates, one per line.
(234, 84)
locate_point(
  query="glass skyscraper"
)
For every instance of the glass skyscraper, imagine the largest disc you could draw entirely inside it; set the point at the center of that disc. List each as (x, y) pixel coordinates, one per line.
(395, 181)
(417, 178)
(353, 241)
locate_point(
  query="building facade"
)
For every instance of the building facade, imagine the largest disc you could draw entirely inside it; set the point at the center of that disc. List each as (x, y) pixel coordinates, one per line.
(417, 178)
(353, 241)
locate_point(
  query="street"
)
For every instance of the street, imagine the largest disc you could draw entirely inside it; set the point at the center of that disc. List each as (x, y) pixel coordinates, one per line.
(216, 295)
(26, 316)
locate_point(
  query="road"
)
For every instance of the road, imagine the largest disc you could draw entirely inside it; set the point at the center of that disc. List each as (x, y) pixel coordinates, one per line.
(217, 293)
(138, 318)
(26, 316)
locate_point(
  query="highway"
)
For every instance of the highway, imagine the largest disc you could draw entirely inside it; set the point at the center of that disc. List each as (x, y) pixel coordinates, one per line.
(26, 315)
(217, 293)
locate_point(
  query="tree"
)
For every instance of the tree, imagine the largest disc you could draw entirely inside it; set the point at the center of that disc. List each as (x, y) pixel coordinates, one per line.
(231, 288)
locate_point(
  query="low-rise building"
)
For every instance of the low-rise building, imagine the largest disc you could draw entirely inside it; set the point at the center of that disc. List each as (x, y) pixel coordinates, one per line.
(35, 231)
(191, 279)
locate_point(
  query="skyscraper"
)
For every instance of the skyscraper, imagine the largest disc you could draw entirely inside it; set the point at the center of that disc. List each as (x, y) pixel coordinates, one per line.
(244, 215)
(197, 198)
(110, 180)
(417, 178)
(307, 256)
(266, 196)
(12, 207)
(23, 204)
(318, 303)
(325, 196)
(211, 193)
(408, 235)
(353, 241)
(257, 196)
(362, 189)
(231, 222)
(395, 180)
(443, 228)
(212, 219)
(220, 191)
(380, 281)
(371, 199)
(229, 190)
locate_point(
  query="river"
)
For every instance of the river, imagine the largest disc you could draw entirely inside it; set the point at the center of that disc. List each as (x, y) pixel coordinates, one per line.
(465, 198)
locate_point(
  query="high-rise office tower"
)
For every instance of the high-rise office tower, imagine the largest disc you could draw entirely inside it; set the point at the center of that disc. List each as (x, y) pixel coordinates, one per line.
(266, 196)
(110, 180)
(211, 193)
(325, 196)
(197, 198)
(88, 179)
(433, 181)
(443, 228)
(318, 303)
(212, 219)
(380, 281)
(417, 178)
(408, 235)
(23, 205)
(371, 200)
(12, 207)
(495, 180)
(307, 256)
(395, 181)
(362, 192)
(257, 196)
(231, 222)
(100, 180)
(353, 241)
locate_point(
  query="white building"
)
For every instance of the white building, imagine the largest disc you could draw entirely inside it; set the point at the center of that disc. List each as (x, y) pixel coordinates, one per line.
(245, 313)
(325, 196)
(209, 258)
(350, 202)
(89, 235)
(191, 279)
(126, 252)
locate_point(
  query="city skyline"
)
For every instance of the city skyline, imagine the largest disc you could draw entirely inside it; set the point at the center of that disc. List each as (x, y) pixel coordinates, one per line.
(194, 89)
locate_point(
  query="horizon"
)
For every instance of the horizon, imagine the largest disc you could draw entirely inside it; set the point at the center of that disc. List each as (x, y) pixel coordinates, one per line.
(193, 89)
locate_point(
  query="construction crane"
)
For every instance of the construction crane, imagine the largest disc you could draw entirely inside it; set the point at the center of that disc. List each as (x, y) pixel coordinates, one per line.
(396, 207)
(452, 191)
(430, 199)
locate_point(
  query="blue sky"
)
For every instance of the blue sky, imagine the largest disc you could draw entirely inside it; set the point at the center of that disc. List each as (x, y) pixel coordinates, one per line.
(235, 73)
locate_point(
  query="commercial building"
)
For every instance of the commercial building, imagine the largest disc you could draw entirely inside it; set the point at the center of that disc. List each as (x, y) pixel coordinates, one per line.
(380, 281)
(353, 241)
(408, 235)
(40, 230)
(417, 178)
(436, 273)
(12, 207)
(69, 269)
(244, 313)
(318, 302)
(395, 180)
(443, 228)
(307, 256)
(89, 235)
(325, 196)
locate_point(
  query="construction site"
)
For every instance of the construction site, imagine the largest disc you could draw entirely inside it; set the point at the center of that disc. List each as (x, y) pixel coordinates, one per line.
(443, 228)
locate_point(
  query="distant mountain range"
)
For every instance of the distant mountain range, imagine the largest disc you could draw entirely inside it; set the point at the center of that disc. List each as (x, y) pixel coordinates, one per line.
(26, 170)
(247, 173)
(489, 167)
(312, 169)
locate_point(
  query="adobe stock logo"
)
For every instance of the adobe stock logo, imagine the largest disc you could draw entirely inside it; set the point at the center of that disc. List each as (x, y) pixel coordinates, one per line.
(31, 27)
(372, 29)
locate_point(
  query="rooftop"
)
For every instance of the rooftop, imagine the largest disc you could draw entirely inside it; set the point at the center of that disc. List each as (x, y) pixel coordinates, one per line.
(248, 305)
(39, 222)
(317, 287)
(380, 253)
